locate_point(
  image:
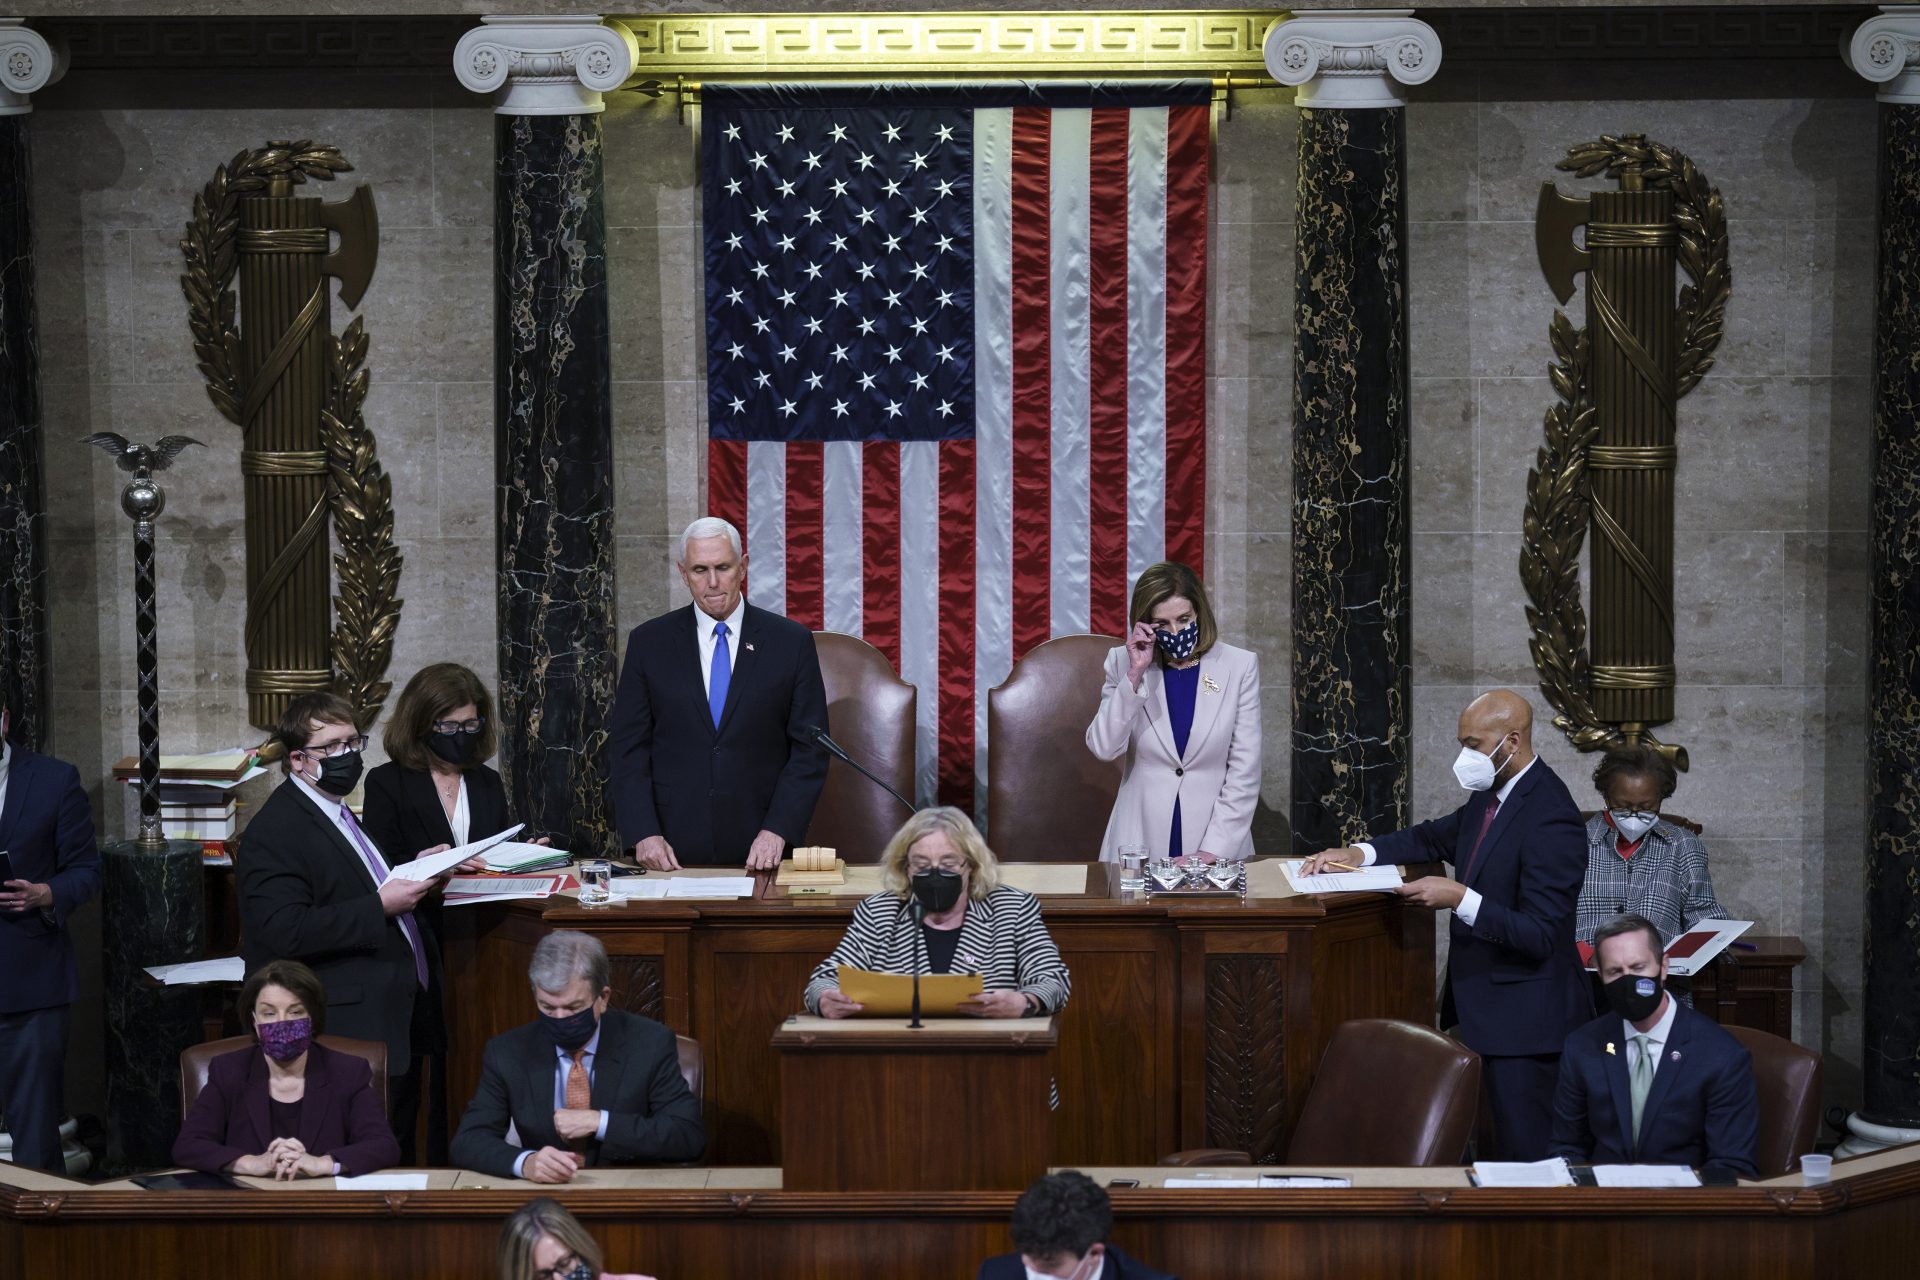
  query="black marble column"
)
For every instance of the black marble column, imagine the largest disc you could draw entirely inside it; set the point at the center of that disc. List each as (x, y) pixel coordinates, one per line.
(1351, 643)
(152, 914)
(554, 452)
(23, 518)
(1892, 1008)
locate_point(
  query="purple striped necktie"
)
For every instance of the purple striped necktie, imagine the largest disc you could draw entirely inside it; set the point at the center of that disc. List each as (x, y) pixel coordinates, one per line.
(379, 870)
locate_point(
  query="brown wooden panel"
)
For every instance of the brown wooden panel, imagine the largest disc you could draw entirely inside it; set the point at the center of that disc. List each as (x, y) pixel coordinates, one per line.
(1116, 1060)
(1246, 1078)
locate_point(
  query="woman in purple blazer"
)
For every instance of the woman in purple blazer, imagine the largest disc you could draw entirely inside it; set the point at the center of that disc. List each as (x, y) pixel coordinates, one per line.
(288, 1107)
(1183, 710)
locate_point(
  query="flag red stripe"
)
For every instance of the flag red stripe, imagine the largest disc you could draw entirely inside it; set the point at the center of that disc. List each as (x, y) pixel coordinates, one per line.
(1107, 372)
(955, 778)
(880, 547)
(1187, 158)
(1032, 383)
(806, 536)
(727, 484)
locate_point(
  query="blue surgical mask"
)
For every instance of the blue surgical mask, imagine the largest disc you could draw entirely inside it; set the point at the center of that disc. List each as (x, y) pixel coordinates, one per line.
(1178, 645)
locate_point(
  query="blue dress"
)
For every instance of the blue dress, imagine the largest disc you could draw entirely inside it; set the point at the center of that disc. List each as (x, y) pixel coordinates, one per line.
(1183, 686)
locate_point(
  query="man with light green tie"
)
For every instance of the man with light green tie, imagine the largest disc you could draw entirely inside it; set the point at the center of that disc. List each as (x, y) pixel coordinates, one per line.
(1651, 1081)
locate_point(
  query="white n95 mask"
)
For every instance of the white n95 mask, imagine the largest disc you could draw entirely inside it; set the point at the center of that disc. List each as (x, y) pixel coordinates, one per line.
(1632, 824)
(1475, 769)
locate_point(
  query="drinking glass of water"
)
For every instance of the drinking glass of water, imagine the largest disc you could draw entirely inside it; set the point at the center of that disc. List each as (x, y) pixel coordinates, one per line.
(596, 883)
(1133, 867)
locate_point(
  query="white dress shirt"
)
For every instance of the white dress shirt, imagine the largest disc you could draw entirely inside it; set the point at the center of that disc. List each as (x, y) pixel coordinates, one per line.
(462, 819)
(1657, 1034)
(703, 624)
(1469, 908)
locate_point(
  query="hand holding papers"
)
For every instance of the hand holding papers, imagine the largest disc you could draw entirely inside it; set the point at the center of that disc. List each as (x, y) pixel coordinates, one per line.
(1367, 879)
(437, 864)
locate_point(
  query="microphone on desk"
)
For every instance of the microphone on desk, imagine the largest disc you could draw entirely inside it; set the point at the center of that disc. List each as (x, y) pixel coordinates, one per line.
(838, 752)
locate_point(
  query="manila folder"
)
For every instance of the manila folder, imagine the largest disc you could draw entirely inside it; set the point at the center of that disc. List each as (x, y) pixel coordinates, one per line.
(888, 995)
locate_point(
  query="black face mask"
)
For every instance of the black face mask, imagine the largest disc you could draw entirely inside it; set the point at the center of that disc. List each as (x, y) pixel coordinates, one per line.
(339, 774)
(936, 890)
(454, 748)
(1634, 996)
(572, 1031)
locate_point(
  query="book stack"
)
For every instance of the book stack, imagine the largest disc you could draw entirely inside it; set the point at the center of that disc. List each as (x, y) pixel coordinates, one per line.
(200, 798)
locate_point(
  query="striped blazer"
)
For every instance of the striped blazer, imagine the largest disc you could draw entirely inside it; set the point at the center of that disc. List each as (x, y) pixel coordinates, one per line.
(1002, 938)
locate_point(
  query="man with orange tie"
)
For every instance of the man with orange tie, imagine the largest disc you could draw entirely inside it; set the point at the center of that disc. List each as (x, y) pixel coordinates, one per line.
(1519, 851)
(582, 1084)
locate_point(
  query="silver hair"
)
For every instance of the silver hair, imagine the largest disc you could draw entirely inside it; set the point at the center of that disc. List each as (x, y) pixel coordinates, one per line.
(709, 527)
(564, 955)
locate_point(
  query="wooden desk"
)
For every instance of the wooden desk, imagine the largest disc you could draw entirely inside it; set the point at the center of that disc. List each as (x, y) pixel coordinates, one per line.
(1391, 1223)
(1195, 1023)
(1751, 988)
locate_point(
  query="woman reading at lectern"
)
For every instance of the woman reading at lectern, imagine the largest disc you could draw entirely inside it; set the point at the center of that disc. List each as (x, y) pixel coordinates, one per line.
(972, 924)
(1183, 711)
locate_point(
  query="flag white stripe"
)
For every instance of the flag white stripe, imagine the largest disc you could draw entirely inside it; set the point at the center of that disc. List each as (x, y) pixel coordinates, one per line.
(767, 524)
(920, 601)
(843, 559)
(993, 421)
(1068, 195)
(1146, 339)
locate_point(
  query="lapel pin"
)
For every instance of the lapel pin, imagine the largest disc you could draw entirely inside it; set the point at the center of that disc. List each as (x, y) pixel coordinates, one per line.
(1609, 1046)
(1674, 1056)
(747, 645)
(1211, 684)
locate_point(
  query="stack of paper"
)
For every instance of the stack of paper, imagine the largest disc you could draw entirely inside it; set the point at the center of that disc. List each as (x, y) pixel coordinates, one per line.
(438, 864)
(1644, 1175)
(193, 972)
(1539, 1173)
(1375, 879)
(462, 890)
(515, 855)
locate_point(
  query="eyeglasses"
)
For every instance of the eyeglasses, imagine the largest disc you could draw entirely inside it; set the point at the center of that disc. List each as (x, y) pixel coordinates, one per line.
(561, 1270)
(329, 750)
(460, 726)
(952, 865)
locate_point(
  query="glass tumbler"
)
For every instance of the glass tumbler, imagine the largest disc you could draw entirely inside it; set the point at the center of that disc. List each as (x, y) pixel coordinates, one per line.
(596, 883)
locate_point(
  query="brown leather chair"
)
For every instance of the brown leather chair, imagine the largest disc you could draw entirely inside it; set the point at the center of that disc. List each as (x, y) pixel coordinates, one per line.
(870, 712)
(197, 1060)
(1048, 797)
(1787, 1078)
(1422, 1113)
(693, 1065)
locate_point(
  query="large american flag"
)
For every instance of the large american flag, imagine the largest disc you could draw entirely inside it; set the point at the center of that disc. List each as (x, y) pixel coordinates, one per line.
(956, 357)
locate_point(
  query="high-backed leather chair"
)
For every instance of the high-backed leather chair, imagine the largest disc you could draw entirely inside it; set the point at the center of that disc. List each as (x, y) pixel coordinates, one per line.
(870, 712)
(196, 1060)
(1423, 1116)
(1787, 1078)
(693, 1068)
(1048, 797)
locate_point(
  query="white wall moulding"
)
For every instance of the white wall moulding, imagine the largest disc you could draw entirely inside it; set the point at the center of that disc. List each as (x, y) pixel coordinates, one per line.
(1886, 50)
(1352, 58)
(28, 64)
(538, 66)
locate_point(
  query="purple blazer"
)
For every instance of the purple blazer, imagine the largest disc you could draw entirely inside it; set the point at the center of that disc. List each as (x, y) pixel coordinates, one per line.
(340, 1115)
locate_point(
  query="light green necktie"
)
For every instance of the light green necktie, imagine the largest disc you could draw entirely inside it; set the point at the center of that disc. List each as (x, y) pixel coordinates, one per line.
(1641, 1082)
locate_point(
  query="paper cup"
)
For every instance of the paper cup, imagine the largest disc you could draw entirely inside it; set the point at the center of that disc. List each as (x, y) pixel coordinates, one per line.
(1815, 1169)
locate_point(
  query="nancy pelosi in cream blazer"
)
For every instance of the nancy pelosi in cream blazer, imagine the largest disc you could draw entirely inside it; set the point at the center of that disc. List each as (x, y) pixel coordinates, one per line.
(1217, 780)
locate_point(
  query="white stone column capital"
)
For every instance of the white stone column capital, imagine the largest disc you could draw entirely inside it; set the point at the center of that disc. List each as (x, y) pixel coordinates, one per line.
(1352, 57)
(1886, 50)
(28, 64)
(537, 66)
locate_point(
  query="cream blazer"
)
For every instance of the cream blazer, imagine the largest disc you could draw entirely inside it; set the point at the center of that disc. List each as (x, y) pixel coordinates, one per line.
(1218, 780)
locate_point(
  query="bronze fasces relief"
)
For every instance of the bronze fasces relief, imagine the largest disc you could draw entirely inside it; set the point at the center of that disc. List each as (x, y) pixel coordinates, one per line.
(1607, 464)
(275, 369)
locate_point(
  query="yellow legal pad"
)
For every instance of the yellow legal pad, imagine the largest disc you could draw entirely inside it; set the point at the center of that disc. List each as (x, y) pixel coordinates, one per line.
(891, 994)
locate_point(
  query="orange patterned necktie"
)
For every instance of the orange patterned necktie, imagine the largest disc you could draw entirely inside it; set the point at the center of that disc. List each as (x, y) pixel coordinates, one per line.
(579, 1091)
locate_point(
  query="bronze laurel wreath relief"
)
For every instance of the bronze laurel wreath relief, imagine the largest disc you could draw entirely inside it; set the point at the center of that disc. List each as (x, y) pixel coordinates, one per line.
(1665, 215)
(297, 393)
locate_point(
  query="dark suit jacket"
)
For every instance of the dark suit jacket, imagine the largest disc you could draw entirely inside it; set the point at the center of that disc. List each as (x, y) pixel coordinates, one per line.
(708, 791)
(47, 830)
(402, 815)
(1516, 979)
(340, 1115)
(1703, 1109)
(651, 1115)
(306, 895)
(1118, 1266)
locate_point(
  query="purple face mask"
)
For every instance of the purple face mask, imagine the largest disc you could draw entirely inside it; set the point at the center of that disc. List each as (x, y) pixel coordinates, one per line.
(284, 1041)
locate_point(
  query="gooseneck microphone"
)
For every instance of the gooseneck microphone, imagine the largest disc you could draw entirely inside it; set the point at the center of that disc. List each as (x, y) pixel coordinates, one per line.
(838, 752)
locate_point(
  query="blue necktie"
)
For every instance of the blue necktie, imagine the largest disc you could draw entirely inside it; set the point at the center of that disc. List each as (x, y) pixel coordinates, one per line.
(720, 673)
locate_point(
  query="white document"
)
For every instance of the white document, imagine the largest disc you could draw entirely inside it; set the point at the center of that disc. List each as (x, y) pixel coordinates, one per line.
(510, 855)
(439, 863)
(464, 889)
(1211, 1182)
(382, 1182)
(1506, 1173)
(225, 969)
(642, 887)
(1690, 952)
(1375, 879)
(711, 887)
(1303, 1180)
(1645, 1175)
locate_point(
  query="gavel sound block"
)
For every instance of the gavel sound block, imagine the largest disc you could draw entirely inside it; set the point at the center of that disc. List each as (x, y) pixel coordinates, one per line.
(812, 866)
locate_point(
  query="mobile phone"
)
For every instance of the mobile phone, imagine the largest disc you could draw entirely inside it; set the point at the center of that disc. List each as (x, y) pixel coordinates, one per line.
(6, 867)
(1123, 1182)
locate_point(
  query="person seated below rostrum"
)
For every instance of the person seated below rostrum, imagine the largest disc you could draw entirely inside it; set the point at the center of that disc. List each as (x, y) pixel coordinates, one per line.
(1060, 1227)
(582, 1084)
(1651, 1081)
(542, 1241)
(288, 1107)
(972, 924)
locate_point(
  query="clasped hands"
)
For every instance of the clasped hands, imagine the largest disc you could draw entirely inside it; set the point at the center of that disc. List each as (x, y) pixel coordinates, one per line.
(284, 1159)
(1433, 892)
(655, 854)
